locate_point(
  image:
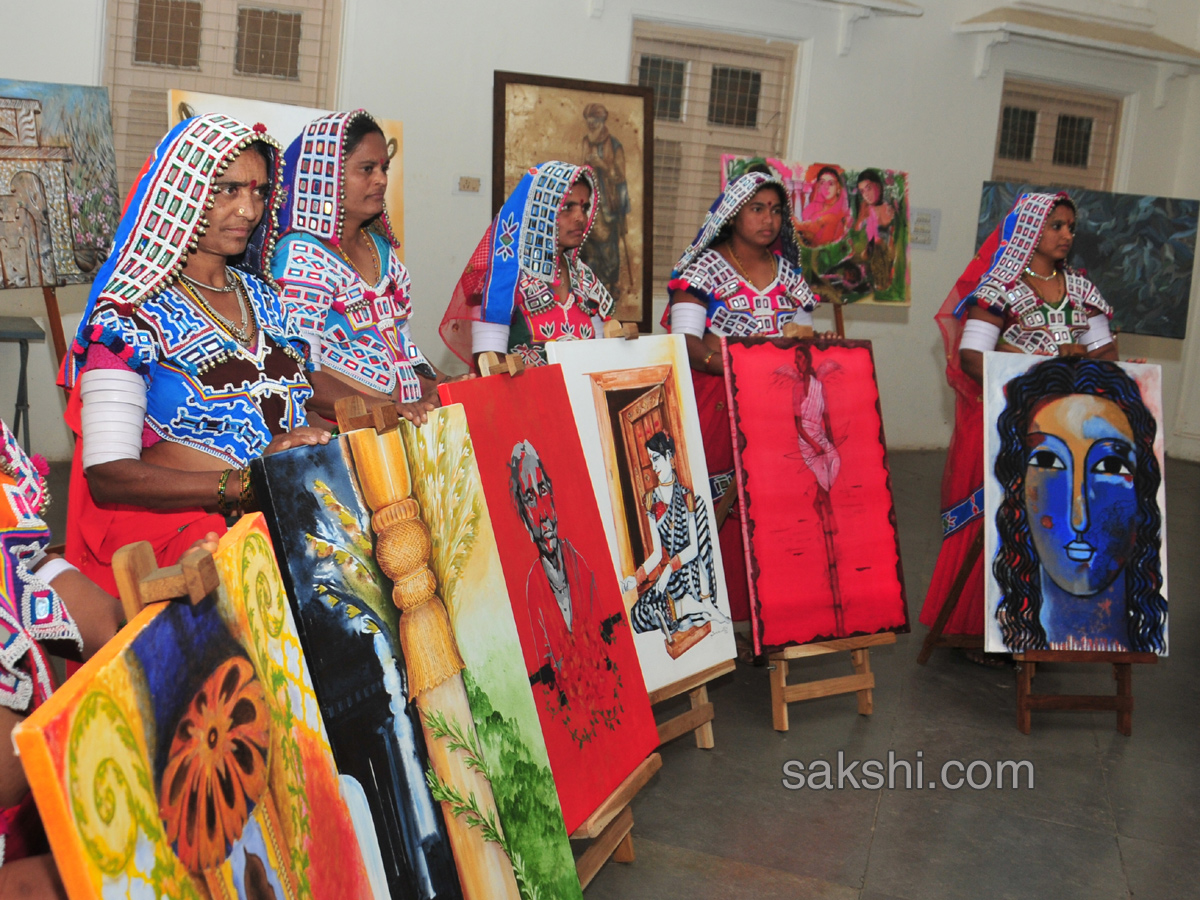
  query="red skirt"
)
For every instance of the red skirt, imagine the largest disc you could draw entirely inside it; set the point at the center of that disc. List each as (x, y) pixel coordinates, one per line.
(96, 531)
(962, 476)
(711, 404)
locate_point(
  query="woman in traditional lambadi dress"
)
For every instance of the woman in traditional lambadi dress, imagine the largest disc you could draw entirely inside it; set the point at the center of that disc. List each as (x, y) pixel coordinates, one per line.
(1018, 295)
(185, 368)
(739, 278)
(525, 284)
(337, 267)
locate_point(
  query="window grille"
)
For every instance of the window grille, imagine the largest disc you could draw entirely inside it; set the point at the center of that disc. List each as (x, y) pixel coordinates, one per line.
(168, 33)
(268, 43)
(1056, 136)
(1072, 140)
(1016, 133)
(667, 77)
(733, 99)
(714, 93)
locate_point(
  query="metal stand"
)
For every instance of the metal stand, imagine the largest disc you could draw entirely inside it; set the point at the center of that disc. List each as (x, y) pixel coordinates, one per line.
(21, 331)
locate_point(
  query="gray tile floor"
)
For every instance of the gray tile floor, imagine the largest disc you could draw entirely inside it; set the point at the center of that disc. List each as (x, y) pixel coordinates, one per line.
(1108, 816)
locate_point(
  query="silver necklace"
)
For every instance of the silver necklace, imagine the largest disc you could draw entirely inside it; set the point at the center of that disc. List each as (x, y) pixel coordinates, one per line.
(242, 332)
(1033, 274)
(230, 282)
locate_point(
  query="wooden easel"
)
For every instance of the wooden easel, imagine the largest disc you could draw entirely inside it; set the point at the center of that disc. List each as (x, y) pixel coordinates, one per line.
(54, 319)
(862, 682)
(141, 582)
(935, 638)
(1121, 703)
(608, 828)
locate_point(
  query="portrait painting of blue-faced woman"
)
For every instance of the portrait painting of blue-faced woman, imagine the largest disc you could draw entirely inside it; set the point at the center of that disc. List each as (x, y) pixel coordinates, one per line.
(1075, 534)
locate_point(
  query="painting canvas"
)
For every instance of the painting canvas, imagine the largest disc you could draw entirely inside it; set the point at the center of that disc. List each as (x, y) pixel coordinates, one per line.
(851, 224)
(59, 204)
(188, 758)
(284, 122)
(1138, 250)
(579, 655)
(822, 554)
(622, 394)
(609, 127)
(391, 565)
(1074, 505)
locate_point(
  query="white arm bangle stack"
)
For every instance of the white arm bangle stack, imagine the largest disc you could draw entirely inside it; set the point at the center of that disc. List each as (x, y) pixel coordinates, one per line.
(979, 335)
(53, 569)
(114, 413)
(688, 318)
(1098, 333)
(489, 336)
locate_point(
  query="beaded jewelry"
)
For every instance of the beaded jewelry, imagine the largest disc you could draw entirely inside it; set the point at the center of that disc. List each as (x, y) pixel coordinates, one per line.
(223, 505)
(243, 332)
(337, 246)
(30, 477)
(1033, 274)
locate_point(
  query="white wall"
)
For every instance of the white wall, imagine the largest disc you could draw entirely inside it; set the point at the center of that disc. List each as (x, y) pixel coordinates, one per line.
(905, 97)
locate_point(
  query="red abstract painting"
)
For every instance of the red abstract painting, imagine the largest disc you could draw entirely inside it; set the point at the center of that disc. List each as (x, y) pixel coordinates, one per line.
(819, 523)
(579, 652)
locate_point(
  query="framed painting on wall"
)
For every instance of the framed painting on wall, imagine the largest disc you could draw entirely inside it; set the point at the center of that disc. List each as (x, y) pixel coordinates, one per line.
(609, 127)
(1074, 505)
(822, 554)
(635, 411)
(851, 225)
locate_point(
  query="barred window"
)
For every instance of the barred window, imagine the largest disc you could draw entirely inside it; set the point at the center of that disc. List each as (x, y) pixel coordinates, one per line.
(1054, 135)
(168, 33)
(268, 43)
(733, 100)
(290, 51)
(1072, 140)
(666, 76)
(1016, 133)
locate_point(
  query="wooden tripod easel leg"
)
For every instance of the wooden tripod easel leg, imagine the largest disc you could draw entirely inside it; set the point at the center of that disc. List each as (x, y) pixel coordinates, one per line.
(862, 682)
(861, 660)
(609, 828)
(1121, 703)
(935, 638)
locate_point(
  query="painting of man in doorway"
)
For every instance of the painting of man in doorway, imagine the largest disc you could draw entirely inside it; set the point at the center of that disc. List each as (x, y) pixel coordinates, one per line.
(676, 587)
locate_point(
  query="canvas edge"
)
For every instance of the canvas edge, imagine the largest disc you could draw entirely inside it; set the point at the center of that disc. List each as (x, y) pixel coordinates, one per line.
(33, 750)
